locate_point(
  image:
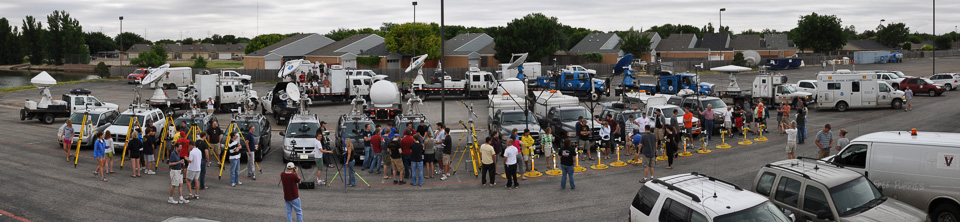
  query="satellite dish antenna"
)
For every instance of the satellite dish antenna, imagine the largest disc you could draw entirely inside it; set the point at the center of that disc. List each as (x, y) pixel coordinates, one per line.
(44, 81)
(418, 65)
(516, 62)
(752, 57)
(293, 92)
(289, 67)
(623, 64)
(732, 71)
(152, 78)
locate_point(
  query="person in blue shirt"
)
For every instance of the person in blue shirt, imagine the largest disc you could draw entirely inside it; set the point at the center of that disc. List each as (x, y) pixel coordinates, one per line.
(251, 142)
(99, 150)
(636, 143)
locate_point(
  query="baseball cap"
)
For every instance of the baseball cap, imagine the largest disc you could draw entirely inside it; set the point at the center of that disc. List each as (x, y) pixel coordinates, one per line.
(290, 165)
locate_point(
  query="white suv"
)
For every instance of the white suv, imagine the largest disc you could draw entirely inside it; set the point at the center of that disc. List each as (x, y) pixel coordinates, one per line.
(890, 78)
(950, 81)
(698, 197)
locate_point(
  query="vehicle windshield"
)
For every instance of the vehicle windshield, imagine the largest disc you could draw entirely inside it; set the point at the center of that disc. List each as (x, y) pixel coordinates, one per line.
(132, 77)
(927, 81)
(858, 193)
(302, 130)
(573, 114)
(668, 112)
(517, 118)
(899, 74)
(765, 211)
(140, 71)
(715, 103)
(124, 119)
(350, 128)
(77, 117)
(245, 126)
(190, 121)
(789, 89)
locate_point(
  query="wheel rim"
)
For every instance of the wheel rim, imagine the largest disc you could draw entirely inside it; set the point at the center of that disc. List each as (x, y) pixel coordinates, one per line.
(842, 107)
(946, 217)
(897, 104)
(48, 119)
(931, 93)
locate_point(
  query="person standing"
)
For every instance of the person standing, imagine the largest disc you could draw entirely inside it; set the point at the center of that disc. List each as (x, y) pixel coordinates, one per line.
(791, 140)
(318, 152)
(748, 117)
(416, 161)
(614, 134)
(405, 150)
(193, 170)
(801, 123)
(567, 154)
(176, 176)
(184, 144)
(843, 141)
(350, 162)
(708, 118)
(109, 151)
(687, 125)
(527, 141)
(635, 141)
(907, 96)
(584, 136)
(605, 139)
(386, 161)
(441, 143)
(375, 141)
(99, 150)
(728, 119)
(367, 148)
(497, 143)
(149, 144)
(396, 159)
(785, 109)
(210, 105)
(824, 142)
(213, 136)
(546, 143)
(510, 160)
(487, 167)
(66, 137)
(203, 144)
(252, 146)
(135, 145)
(291, 192)
(234, 155)
(648, 146)
(671, 136)
(422, 130)
(429, 155)
(759, 114)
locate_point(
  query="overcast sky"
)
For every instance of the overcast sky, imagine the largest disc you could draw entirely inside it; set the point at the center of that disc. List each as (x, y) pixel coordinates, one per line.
(169, 19)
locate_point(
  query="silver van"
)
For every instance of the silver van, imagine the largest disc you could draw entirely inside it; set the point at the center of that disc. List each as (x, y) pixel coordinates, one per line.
(919, 170)
(816, 190)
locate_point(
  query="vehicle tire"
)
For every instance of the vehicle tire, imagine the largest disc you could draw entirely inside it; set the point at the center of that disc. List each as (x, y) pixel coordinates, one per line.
(897, 104)
(23, 115)
(949, 87)
(595, 97)
(932, 93)
(842, 106)
(172, 86)
(945, 212)
(48, 119)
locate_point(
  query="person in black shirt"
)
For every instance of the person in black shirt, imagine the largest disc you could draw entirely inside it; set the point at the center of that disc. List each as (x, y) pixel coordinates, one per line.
(583, 131)
(367, 148)
(204, 146)
(422, 131)
(396, 159)
(149, 142)
(135, 146)
(671, 139)
(567, 154)
(214, 132)
(416, 161)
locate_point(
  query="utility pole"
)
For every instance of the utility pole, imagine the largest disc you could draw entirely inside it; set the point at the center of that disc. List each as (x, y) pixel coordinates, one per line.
(121, 44)
(443, 93)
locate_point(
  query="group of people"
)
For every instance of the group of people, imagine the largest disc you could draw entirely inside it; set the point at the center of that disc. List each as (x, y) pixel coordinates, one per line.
(313, 81)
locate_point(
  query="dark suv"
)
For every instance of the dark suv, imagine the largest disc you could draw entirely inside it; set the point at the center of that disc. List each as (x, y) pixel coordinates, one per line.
(921, 85)
(621, 113)
(348, 129)
(261, 130)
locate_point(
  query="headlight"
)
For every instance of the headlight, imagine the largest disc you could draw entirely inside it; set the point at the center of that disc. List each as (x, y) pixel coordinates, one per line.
(287, 148)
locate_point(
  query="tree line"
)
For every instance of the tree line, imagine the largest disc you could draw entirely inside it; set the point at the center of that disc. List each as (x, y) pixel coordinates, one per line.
(61, 41)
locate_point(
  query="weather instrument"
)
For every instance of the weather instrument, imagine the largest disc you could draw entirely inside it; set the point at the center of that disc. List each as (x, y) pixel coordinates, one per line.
(418, 65)
(152, 78)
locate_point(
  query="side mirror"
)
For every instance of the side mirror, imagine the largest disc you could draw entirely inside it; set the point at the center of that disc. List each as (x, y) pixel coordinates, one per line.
(281, 133)
(824, 215)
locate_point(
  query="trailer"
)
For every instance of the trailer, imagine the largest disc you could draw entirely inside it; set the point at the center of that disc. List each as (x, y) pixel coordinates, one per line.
(476, 84)
(336, 84)
(770, 88)
(47, 109)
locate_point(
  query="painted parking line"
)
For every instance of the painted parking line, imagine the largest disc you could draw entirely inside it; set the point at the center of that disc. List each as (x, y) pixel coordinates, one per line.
(15, 217)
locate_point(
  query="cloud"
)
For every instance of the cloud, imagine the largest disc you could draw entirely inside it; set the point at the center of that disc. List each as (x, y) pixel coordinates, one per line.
(196, 18)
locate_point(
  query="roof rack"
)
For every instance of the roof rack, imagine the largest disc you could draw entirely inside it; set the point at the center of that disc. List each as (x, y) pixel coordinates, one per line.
(672, 187)
(804, 175)
(718, 180)
(815, 160)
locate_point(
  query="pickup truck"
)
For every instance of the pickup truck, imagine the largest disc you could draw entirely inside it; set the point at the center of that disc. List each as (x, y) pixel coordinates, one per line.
(47, 110)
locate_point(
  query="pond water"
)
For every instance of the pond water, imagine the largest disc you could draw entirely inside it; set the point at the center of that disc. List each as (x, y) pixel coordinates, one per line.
(16, 78)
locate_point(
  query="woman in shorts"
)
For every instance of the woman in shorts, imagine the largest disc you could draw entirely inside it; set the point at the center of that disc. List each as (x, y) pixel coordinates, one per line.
(108, 140)
(546, 144)
(429, 155)
(66, 137)
(99, 148)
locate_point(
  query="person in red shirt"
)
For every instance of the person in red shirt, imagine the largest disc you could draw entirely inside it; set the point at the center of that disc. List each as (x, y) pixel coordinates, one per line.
(405, 150)
(184, 149)
(291, 192)
(687, 123)
(375, 142)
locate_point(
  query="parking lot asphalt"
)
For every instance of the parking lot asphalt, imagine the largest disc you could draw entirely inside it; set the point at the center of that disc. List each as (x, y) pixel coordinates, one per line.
(37, 184)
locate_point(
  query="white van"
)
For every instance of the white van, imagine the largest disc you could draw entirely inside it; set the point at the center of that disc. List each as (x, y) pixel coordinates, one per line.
(176, 77)
(919, 170)
(855, 90)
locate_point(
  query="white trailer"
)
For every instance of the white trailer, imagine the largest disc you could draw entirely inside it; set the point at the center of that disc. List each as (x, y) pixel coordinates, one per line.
(176, 77)
(855, 90)
(547, 100)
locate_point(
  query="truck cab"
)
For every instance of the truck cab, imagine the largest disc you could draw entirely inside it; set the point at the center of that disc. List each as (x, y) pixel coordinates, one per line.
(78, 99)
(479, 82)
(579, 83)
(230, 74)
(774, 89)
(669, 83)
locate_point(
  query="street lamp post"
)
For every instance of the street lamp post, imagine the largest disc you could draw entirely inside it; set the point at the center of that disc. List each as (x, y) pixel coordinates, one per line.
(414, 28)
(721, 19)
(121, 44)
(443, 94)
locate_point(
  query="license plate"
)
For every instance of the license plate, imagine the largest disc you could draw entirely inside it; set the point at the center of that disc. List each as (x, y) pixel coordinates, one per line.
(304, 156)
(361, 158)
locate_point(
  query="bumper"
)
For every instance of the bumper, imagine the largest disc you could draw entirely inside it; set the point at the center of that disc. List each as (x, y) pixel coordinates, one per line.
(298, 155)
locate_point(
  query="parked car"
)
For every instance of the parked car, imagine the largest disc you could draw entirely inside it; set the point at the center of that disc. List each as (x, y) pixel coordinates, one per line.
(950, 81)
(698, 197)
(97, 121)
(142, 115)
(918, 169)
(135, 76)
(816, 190)
(922, 85)
(299, 138)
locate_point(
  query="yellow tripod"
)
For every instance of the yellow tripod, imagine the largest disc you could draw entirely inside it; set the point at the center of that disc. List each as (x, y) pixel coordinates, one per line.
(554, 171)
(226, 144)
(685, 153)
(135, 123)
(83, 123)
(599, 165)
(163, 139)
(618, 163)
(761, 138)
(663, 150)
(723, 139)
(533, 167)
(473, 149)
(745, 141)
(578, 168)
(703, 149)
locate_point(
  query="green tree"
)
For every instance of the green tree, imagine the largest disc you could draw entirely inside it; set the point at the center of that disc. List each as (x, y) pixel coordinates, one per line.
(850, 32)
(451, 31)
(666, 29)
(340, 33)
(199, 63)
(232, 39)
(187, 41)
(907, 46)
(99, 42)
(536, 34)
(102, 70)
(592, 57)
(943, 42)
(401, 40)
(165, 41)
(738, 59)
(635, 43)
(10, 52)
(65, 37)
(155, 57)
(262, 41)
(927, 48)
(53, 39)
(130, 39)
(33, 31)
(387, 26)
(821, 33)
(893, 34)
(867, 34)
(914, 39)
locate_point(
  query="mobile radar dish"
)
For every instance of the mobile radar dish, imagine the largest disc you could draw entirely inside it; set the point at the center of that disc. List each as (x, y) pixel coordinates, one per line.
(418, 65)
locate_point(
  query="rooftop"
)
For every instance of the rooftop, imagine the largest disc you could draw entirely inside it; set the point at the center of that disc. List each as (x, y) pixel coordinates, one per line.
(464, 44)
(922, 138)
(747, 42)
(310, 42)
(604, 43)
(715, 41)
(729, 198)
(822, 172)
(678, 42)
(355, 44)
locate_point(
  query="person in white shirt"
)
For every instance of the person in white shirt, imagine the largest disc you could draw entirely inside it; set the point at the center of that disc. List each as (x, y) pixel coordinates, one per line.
(210, 105)
(643, 121)
(193, 170)
(510, 159)
(318, 155)
(727, 119)
(791, 140)
(234, 153)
